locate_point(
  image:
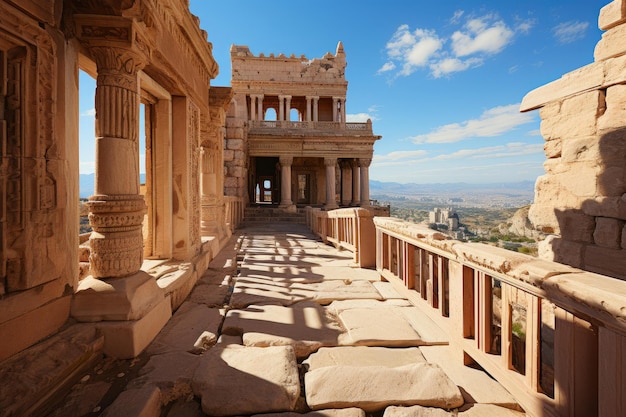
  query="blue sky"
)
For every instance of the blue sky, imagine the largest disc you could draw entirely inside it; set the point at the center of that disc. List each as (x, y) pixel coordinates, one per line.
(441, 80)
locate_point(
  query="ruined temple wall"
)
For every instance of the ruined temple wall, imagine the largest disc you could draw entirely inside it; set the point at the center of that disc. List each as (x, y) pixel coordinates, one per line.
(38, 174)
(581, 200)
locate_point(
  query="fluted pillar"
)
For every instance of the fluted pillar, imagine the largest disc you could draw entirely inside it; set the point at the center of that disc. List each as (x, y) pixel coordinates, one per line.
(316, 101)
(285, 181)
(330, 164)
(346, 182)
(356, 187)
(253, 99)
(309, 116)
(364, 166)
(288, 108)
(116, 208)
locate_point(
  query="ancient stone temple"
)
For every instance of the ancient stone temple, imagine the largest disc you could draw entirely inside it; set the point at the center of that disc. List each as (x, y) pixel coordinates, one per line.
(288, 141)
(169, 228)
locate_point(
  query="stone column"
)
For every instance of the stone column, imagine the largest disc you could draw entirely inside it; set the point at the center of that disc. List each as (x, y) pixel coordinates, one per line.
(308, 109)
(364, 165)
(356, 187)
(116, 208)
(281, 108)
(316, 109)
(288, 108)
(330, 164)
(335, 109)
(346, 182)
(342, 111)
(285, 182)
(208, 192)
(252, 107)
(260, 115)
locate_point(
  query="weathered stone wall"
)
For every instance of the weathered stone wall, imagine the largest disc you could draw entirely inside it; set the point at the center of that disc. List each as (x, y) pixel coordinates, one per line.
(581, 200)
(38, 174)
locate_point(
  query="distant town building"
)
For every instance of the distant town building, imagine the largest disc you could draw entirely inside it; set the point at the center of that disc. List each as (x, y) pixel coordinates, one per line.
(447, 216)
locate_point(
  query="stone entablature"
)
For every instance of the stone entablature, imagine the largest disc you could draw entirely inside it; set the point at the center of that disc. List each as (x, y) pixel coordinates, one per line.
(581, 200)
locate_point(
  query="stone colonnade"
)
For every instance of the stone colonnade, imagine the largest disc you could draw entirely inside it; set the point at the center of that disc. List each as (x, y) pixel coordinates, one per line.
(354, 170)
(284, 107)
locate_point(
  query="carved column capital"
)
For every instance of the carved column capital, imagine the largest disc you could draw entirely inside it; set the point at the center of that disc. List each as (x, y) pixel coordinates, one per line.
(364, 162)
(118, 67)
(330, 162)
(286, 160)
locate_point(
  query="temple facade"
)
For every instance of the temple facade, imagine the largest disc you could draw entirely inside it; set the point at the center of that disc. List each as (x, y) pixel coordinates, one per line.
(288, 141)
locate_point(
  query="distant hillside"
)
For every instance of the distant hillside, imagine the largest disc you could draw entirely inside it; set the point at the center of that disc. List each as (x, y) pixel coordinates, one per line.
(414, 190)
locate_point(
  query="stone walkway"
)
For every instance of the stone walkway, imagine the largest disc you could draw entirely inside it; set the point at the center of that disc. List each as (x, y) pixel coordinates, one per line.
(282, 323)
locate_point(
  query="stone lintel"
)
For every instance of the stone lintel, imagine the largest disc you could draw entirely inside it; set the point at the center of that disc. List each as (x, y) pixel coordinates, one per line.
(589, 77)
(127, 298)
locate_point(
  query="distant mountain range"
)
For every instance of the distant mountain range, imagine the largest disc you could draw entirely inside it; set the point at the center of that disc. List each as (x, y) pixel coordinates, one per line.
(413, 189)
(395, 189)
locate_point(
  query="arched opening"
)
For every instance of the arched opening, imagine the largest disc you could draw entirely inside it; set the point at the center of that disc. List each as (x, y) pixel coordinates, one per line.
(270, 114)
(295, 115)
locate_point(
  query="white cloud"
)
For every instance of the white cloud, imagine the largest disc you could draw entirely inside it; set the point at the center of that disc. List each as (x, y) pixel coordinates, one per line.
(449, 65)
(89, 113)
(87, 167)
(388, 66)
(363, 117)
(492, 122)
(568, 32)
(481, 37)
(456, 17)
(409, 50)
(399, 156)
(359, 117)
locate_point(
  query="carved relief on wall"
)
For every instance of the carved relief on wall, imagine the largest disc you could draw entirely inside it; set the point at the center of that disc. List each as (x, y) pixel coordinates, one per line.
(193, 136)
(28, 179)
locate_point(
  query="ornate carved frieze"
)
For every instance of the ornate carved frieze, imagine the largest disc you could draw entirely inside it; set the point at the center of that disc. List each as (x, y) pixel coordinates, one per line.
(193, 136)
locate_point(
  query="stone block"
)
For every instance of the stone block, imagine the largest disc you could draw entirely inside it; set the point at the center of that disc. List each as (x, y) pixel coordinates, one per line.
(559, 250)
(611, 262)
(236, 172)
(575, 225)
(471, 410)
(27, 329)
(583, 79)
(229, 155)
(189, 323)
(372, 388)
(126, 298)
(585, 149)
(31, 376)
(612, 181)
(235, 144)
(608, 232)
(178, 283)
(236, 380)
(606, 207)
(344, 412)
(612, 44)
(364, 356)
(614, 70)
(127, 339)
(475, 385)
(612, 14)
(552, 148)
(613, 117)
(138, 402)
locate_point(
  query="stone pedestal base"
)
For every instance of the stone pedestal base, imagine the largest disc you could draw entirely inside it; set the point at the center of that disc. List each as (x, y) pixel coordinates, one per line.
(127, 339)
(288, 208)
(130, 311)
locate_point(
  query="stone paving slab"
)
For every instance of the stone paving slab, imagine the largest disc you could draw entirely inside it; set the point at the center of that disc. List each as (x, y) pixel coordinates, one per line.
(342, 412)
(190, 322)
(387, 327)
(475, 385)
(304, 325)
(387, 291)
(364, 356)
(336, 307)
(472, 410)
(235, 381)
(373, 388)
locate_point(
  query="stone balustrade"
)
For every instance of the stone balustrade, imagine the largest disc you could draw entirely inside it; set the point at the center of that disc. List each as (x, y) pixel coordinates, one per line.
(348, 228)
(256, 125)
(553, 335)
